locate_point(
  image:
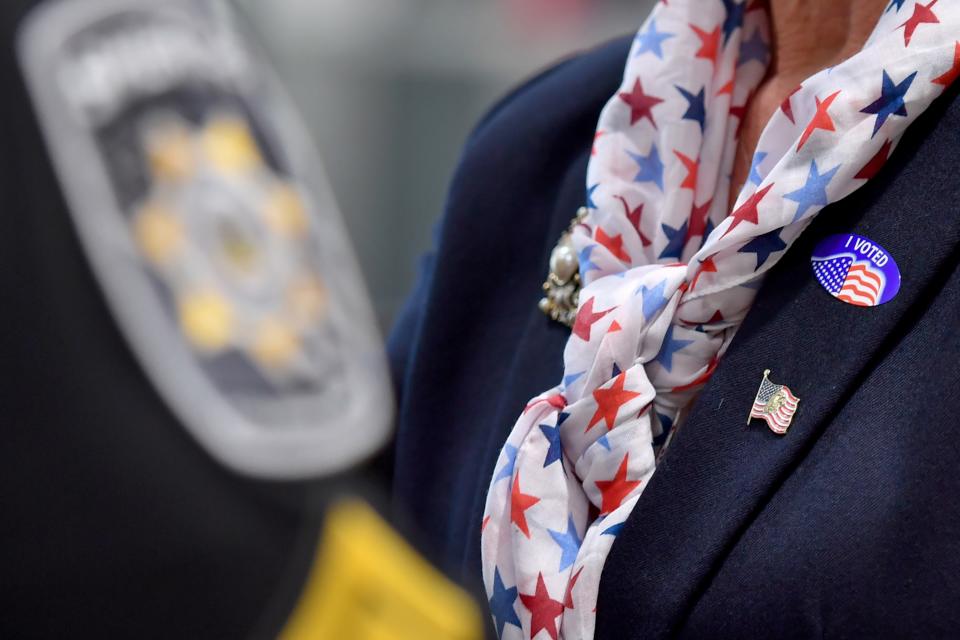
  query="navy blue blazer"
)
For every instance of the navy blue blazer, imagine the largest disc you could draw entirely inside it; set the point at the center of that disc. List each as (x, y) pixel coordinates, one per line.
(848, 526)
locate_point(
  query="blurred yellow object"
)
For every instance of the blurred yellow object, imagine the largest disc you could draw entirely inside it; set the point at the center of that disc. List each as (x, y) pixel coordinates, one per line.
(206, 318)
(275, 344)
(286, 213)
(230, 146)
(170, 152)
(159, 234)
(308, 300)
(367, 583)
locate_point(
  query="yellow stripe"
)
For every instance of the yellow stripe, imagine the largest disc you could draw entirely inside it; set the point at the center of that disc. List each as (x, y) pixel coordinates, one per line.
(367, 583)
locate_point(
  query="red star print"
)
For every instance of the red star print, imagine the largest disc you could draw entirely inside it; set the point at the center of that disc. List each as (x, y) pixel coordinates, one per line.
(634, 217)
(483, 525)
(586, 318)
(556, 401)
(748, 210)
(698, 219)
(596, 136)
(707, 266)
(739, 113)
(609, 402)
(543, 609)
(821, 119)
(954, 72)
(568, 596)
(876, 162)
(709, 44)
(519, 503)
(922, 14)
(641, 104)
(692, 167)
(787, 107)
(614, 245)
(614, 491)
(727, 88)
(702, 378)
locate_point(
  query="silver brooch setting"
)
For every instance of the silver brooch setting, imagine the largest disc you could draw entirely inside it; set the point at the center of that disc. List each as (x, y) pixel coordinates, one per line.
(562, 286)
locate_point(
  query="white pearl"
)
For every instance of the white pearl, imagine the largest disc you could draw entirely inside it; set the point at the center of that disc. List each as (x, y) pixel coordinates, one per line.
(563, 262)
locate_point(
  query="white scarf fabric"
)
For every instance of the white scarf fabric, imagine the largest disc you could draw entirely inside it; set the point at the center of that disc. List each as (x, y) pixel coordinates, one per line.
(669, 276)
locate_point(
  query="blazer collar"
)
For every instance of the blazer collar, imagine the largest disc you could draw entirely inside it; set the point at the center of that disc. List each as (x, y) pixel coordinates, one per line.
(718, 472)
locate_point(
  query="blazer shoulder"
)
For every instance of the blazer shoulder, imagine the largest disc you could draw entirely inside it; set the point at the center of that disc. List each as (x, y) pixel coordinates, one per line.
(518, 157)
(575, 87)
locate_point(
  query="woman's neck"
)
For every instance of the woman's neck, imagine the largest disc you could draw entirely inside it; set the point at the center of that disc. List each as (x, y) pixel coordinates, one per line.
(808, 36)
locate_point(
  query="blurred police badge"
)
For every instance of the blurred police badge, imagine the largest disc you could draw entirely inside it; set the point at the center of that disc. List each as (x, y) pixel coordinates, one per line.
(208, 221)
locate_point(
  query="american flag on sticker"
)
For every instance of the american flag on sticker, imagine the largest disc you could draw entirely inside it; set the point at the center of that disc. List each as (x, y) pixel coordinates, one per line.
(775, 404)
(854, 281)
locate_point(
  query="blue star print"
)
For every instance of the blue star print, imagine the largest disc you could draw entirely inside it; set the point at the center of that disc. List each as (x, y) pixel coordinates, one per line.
(676, 238)
(764, 245)
(507, 470)
(584, 258)
(501, 604)
(696, 110)
(555, 451)
(603, 442)
(665, 425)
(568, 542)
(734, 19)
(758, 158)
(652, 40)
(651, 168)
(590, 191)
(890, 101)
(814, 192)
(753, 48)
(670, 347)
(653, 299)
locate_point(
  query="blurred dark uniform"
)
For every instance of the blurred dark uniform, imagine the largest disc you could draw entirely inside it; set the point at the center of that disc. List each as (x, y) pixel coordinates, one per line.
(123, 515)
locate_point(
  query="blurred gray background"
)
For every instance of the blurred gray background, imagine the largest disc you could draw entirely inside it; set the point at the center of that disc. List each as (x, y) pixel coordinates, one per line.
(391, 88)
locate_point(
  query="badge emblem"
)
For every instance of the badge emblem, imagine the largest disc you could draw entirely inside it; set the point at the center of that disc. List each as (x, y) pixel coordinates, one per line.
(856, 270)
(207, 222)
(775, 404)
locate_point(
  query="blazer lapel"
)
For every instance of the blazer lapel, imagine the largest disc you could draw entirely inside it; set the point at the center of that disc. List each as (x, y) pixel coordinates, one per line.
(719, 472)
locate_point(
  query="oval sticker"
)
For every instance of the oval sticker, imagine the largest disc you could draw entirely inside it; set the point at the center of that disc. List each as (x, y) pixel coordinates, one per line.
(856, 270)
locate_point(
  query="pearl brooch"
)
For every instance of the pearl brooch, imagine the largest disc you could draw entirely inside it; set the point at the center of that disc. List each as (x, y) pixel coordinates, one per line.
(562, 286)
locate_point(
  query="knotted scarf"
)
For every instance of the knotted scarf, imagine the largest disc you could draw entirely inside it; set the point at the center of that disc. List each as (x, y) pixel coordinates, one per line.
(669, 274)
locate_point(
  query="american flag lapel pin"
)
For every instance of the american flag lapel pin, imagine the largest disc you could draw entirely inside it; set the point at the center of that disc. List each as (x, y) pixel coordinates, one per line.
(775, 404)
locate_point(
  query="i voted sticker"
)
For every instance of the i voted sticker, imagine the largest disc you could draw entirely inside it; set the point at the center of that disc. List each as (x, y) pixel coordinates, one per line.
(856, 270)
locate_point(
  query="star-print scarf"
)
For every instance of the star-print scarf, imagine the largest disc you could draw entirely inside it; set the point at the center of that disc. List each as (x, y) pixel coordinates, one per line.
(668, 275)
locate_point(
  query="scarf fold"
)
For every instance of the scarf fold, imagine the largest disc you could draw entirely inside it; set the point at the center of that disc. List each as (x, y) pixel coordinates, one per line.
(668, 275)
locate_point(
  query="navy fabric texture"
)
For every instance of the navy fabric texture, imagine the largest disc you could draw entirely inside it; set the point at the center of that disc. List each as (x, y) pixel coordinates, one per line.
(848, 526)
